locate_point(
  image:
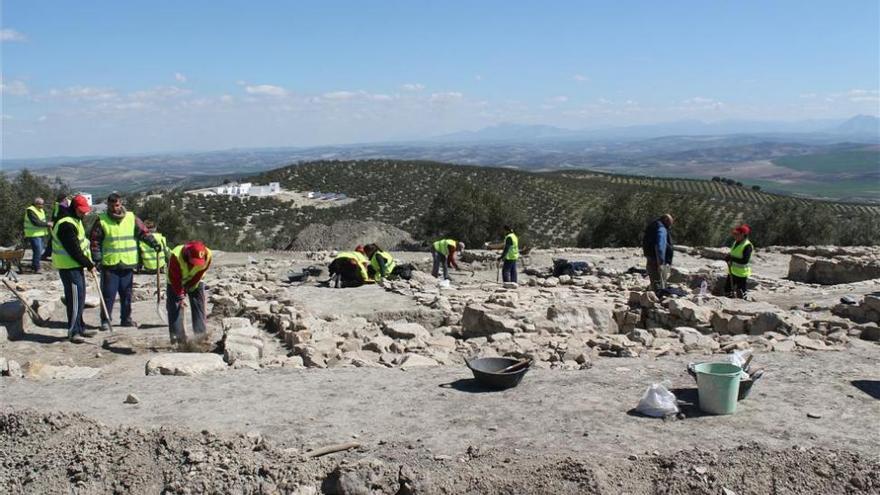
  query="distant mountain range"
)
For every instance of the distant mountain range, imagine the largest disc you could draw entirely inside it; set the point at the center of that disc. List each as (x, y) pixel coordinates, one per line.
(860, 127)
(820, 158)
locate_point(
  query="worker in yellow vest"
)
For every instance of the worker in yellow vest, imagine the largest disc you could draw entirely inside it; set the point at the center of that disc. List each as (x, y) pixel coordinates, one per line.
(114, 239)
(509, 255)
(36, 230)
(739, 263)
(382, 264)
(187, 264)
(152, 260)
(443, 253)
(349, 268)
(70, 254)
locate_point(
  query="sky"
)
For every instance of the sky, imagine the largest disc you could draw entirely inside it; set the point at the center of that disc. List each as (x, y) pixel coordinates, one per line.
(110, 77)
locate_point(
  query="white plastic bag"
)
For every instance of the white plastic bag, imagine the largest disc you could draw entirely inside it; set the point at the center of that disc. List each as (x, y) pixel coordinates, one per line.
(657, 401)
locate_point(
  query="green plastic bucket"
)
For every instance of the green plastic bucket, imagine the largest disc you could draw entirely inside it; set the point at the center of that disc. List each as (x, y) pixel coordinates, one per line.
(718, 387)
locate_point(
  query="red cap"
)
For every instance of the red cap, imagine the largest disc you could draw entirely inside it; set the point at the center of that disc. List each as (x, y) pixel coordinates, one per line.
(196, 253)
(80, 204)
(743, 229)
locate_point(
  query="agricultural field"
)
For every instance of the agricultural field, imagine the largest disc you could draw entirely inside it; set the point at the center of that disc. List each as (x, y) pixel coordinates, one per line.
(862, 161)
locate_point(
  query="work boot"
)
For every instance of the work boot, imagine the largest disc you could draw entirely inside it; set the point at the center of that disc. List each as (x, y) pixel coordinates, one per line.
(76, 339)
(129, 323)
(105, 326)
(88, 333)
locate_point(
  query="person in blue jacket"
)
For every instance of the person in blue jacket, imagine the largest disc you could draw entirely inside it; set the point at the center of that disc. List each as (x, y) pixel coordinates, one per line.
(657, 248)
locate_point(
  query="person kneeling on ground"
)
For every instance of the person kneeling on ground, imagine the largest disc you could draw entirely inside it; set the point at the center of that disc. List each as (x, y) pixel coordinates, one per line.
(739, 263)
(70, 254)
(382, 264)
(443, 252)
(187, 264)
(349, 269)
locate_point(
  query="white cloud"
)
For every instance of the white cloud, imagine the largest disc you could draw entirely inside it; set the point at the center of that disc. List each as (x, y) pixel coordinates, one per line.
(179, 77)
(413, 87)
(42, 118)
(559, 99)
(339, 95)
(226, 98)
(7, 35)
(808, 96)
(265, 90)
(478, 77)
(580, 78)
(14, 87)
(6, 116)
(863, 95)
(160, 93)
(702, 103)
(84, 93)
(381, 97)
(446, 97)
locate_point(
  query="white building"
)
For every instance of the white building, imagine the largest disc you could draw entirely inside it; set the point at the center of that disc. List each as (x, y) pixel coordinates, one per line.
(248, 189)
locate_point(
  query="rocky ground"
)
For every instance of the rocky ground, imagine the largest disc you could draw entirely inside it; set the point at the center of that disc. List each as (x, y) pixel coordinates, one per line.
(292, 366)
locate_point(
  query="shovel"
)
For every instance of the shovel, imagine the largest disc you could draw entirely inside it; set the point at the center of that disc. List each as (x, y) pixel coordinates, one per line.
(159, 297)
(30, 310)
(101, 298)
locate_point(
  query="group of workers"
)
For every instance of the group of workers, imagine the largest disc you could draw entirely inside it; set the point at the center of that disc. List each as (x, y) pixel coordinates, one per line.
(370, 264)
(118, 243)
(658, 251)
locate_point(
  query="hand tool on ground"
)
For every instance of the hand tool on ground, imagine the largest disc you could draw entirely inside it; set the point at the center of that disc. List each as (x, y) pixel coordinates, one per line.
(332, 448)
(517, 366)
(497, 272)
(30, 310)
(101, 299)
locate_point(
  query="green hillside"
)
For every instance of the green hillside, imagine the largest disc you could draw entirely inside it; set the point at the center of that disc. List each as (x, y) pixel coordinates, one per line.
(400, 192)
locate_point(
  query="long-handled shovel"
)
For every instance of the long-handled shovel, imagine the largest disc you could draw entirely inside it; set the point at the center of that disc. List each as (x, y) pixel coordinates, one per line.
(30, 310)
(159, 297)
(101, 299)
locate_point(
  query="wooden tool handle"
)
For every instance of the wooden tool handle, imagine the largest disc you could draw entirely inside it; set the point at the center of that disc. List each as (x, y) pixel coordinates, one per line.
(516, 366)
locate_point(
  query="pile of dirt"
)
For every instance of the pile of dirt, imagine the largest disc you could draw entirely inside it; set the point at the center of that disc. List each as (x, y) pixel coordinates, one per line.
(59, 452)
(347, 234)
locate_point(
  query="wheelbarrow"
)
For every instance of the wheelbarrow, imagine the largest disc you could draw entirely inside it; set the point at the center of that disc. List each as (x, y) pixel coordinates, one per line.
(499, 372)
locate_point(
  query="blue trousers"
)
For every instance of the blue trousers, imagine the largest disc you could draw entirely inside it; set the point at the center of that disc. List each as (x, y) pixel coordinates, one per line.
(197, 301)
(117, 281)
(508, 271)
(36, 252)
(74, 282)
(440, 260)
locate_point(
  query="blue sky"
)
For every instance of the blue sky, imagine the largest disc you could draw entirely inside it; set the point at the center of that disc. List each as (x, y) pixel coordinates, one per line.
(95, 77)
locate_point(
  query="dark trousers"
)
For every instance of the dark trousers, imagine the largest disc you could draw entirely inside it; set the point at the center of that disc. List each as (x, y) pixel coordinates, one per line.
(440, 260)
(345, 273)
(736, 287)
(197, 301)
(36, 252)
(508, 271)
(653, 273)
(74, 282)
(117, 281)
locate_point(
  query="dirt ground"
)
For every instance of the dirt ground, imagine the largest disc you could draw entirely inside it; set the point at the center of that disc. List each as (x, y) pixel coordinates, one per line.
(811, 425)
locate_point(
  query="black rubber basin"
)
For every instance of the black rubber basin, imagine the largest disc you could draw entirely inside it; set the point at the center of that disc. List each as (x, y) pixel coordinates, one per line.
(486, 371)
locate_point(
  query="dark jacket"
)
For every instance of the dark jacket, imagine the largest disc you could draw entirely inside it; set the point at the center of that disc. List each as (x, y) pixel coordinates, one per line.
(67, 236)
(657, 243)
(36, 220)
